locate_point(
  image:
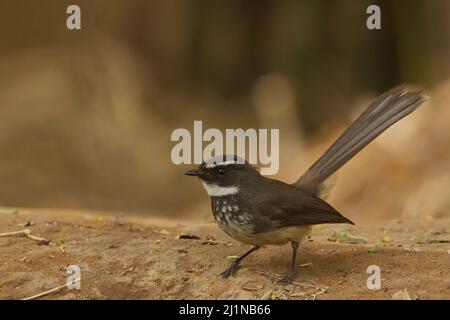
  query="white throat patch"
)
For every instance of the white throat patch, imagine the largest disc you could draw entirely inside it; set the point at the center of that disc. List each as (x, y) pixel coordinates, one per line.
(213, 190)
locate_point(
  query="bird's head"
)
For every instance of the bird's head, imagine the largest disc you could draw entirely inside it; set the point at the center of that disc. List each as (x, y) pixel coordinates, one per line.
(223, 175)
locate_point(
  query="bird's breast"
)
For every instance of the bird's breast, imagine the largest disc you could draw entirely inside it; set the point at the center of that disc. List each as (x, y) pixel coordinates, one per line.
(233, 218)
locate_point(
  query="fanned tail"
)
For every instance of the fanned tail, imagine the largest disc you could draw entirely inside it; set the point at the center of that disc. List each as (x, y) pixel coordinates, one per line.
(386, 110)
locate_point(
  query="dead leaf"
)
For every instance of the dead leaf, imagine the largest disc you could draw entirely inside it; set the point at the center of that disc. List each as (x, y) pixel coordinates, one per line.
(297, 294)
(345, 237)
(401, 295)
(306, 265)
(210, 242)
(269, 295)
(187, 236)
(253, 286)
(386, 239)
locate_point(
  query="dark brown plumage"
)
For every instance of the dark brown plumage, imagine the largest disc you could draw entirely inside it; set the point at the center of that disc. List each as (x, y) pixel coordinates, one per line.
(260, 211)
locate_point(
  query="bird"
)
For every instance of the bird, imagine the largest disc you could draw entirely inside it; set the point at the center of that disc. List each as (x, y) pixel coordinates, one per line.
(261, 211)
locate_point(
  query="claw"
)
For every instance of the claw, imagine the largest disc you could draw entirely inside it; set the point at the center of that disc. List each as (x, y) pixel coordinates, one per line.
(286, 279)
(233, 267)
(229, 271)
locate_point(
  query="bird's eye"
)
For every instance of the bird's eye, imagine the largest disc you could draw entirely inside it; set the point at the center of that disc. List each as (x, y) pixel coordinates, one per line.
(221, 171)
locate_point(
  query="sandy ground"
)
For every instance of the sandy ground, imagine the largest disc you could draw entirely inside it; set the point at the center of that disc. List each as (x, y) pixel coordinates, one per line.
(131, 257)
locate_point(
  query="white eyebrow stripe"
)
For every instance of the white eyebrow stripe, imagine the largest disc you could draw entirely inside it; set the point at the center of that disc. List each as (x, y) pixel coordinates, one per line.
(213, 190)
(224, 163)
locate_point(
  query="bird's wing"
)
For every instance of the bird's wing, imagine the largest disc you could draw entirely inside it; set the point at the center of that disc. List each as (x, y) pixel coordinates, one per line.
(298, 208)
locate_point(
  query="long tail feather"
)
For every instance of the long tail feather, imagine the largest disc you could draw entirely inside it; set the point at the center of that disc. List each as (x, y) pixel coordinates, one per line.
(386, 110)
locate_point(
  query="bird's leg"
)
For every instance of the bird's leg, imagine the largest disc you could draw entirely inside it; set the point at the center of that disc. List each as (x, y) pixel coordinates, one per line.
(233, 267)
(288, 278)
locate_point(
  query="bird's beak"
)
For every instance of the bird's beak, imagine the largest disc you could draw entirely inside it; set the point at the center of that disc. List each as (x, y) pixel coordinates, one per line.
(194, 173)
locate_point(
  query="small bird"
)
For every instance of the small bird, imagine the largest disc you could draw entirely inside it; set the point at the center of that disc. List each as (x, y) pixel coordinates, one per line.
(260, 211)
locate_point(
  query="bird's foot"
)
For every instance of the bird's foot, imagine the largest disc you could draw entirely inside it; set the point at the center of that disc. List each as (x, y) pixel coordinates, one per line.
(286, 279)
(233, 267)
(230, 270)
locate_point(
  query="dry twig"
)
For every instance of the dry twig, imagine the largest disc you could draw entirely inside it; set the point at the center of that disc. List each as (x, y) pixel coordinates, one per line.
(50, 291)
(275, 276)
(26, 233)
(310, 284)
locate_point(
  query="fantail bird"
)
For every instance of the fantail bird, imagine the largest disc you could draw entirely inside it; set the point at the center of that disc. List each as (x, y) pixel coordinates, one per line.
(260, 211)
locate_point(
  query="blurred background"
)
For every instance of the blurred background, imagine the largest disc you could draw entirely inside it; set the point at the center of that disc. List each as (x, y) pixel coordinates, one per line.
(86, 115)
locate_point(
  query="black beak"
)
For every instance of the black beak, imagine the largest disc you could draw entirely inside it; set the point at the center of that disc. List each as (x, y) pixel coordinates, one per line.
(194, 173)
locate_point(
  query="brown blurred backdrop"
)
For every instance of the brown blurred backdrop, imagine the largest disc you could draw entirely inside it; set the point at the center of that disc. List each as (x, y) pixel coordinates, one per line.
(86, 115)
